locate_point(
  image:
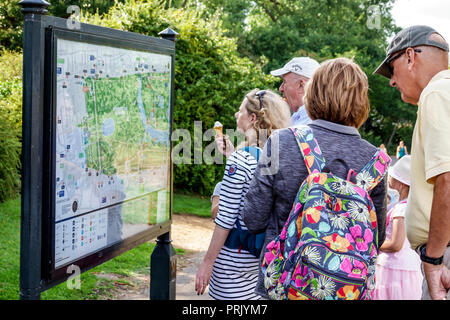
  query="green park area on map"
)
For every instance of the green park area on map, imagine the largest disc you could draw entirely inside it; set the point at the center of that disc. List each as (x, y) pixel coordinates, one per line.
(126, 117)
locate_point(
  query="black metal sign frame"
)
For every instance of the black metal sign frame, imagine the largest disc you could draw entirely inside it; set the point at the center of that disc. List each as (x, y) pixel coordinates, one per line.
(38, 271)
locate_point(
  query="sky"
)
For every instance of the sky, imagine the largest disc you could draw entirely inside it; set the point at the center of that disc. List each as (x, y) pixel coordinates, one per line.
(433, 13)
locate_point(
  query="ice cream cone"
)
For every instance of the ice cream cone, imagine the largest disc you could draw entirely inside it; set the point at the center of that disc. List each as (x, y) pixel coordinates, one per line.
(218, 127)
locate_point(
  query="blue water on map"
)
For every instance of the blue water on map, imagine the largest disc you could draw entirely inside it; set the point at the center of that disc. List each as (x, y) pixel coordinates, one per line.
(158, 136)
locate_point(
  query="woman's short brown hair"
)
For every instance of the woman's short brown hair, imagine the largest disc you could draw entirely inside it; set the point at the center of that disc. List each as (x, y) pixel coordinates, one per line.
(338, 92)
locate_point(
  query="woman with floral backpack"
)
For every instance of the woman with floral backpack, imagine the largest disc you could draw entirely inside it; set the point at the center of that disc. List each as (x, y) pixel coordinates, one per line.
(229, 266)
(337, 102)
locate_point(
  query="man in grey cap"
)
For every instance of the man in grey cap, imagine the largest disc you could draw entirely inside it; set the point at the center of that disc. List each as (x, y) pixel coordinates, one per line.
(295, 74)
(417, 65)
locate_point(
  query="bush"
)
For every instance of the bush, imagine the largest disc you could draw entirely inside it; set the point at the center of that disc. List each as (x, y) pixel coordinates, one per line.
(11, 17)
(10, 147)
(211, 79)
(10, 123)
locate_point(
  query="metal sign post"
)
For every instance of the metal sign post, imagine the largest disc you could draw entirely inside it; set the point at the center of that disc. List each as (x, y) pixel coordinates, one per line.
(32, 148)
(163, 263)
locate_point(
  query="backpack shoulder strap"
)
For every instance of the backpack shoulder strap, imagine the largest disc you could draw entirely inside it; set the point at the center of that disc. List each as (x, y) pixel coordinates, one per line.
(374, 171)
(309, 148)
(254, 151)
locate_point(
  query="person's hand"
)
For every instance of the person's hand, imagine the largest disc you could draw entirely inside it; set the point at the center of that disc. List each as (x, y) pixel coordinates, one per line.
(202, 277)
(438, 280)
(224, 145)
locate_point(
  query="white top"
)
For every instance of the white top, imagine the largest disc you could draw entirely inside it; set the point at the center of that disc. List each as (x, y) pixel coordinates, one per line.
(234, 273)
(406, 258)
(216, 192)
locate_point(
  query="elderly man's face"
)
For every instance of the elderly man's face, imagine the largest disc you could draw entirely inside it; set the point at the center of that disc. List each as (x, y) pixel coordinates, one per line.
(293, 90)
(403, 78)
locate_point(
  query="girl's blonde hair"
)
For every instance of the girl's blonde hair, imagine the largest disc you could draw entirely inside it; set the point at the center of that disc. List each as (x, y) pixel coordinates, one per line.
(274, 113)
(338, 92)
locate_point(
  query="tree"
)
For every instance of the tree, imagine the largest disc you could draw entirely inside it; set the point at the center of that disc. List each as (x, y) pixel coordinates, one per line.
(11, 17)
(274, 31)
(59, 8)
(10, 123)
(227, 48)
(11, 25)
(232, 13)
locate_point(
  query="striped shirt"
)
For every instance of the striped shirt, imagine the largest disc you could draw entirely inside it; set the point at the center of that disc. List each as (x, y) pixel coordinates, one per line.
(235, 273)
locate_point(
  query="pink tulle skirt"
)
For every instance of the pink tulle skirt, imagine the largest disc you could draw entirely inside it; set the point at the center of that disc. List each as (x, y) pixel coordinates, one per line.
(396, 284)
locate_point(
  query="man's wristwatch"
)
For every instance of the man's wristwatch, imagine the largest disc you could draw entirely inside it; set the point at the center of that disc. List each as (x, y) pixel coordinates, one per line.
(427, 259)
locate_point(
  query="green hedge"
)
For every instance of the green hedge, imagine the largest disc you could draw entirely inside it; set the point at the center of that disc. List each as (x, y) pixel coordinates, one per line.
(10, 123)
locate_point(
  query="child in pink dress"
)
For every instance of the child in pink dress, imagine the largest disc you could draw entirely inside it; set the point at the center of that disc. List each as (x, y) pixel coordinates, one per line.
(397, 274)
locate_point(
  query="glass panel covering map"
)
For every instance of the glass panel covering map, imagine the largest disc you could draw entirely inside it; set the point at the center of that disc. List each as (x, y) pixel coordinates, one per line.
(112, 162)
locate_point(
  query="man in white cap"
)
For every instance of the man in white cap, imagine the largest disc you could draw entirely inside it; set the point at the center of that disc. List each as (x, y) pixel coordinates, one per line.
(295, 74)
(417, 65)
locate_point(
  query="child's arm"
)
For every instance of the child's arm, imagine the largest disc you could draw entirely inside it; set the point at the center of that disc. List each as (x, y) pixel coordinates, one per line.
(205, 270)
(398, 236)
(214, 207)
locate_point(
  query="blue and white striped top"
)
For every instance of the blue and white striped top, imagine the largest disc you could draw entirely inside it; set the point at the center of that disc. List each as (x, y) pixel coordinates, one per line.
(235, 273)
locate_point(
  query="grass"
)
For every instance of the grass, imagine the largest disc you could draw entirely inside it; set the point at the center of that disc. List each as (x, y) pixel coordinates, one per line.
(97, 283)
(9, 249)
(191, 204)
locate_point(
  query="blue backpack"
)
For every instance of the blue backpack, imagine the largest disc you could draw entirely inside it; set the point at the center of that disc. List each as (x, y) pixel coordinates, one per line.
(241, 239)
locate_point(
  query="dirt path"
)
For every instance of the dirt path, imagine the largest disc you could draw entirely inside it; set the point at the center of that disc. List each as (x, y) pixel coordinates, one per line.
(190, 233)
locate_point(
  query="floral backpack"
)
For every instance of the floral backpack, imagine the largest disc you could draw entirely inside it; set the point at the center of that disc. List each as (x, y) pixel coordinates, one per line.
(327, 248)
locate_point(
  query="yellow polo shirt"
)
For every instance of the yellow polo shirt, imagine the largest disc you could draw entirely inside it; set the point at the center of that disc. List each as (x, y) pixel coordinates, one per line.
(430, 155)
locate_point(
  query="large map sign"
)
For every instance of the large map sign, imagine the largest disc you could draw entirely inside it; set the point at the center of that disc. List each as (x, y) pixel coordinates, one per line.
(96, 150)
(112, 147)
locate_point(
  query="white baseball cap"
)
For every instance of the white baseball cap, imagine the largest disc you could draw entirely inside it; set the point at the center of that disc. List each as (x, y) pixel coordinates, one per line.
(401, 170)
(303, 66)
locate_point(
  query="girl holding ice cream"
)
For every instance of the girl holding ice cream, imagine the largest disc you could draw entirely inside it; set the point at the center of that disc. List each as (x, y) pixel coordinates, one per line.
(232, 272)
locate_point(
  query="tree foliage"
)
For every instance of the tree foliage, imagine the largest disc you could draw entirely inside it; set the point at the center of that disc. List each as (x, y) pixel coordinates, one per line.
(10, 123)
(11, 25)
(11, 17)
(275, 31)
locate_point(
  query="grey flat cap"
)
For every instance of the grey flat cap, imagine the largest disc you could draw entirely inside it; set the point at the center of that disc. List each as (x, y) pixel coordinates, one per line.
(408, 38)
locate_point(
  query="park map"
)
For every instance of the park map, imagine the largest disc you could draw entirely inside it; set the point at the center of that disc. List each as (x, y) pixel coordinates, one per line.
(111, 145)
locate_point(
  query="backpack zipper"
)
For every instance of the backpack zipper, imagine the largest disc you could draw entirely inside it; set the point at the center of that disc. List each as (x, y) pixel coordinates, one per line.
(333, 199)
(310, 264)
(321, 244)
(356, 197)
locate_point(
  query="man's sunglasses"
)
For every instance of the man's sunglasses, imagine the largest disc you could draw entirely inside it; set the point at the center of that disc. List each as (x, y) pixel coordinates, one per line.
(392, 59)
(260, 95)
